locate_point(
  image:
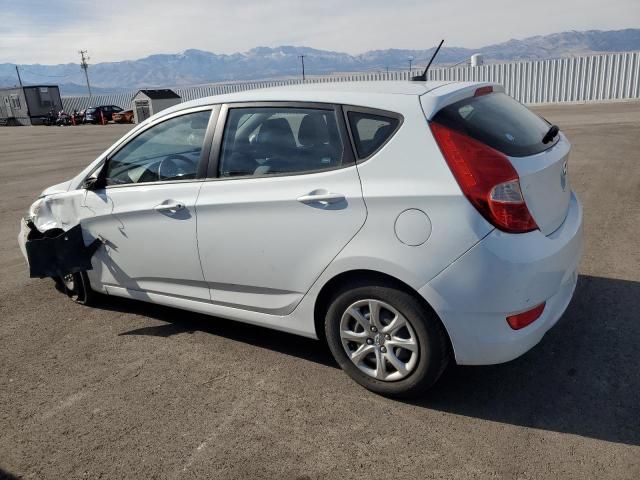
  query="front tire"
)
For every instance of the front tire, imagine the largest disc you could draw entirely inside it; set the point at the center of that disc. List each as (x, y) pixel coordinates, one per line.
(386, 339)
(78, 288)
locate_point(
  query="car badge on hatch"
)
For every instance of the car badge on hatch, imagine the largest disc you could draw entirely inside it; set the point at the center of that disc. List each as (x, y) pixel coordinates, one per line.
(563, 176)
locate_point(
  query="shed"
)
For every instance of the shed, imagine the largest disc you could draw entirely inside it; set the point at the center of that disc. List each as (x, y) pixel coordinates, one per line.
(28, 105)
(150, 102)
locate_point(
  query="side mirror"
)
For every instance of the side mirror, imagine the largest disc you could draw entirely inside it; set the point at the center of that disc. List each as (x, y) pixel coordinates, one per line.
(91, 183)
(98, 182)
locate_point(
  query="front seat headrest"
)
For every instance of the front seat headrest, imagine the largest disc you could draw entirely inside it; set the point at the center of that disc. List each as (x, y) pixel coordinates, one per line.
(313, 130)
(275, 136)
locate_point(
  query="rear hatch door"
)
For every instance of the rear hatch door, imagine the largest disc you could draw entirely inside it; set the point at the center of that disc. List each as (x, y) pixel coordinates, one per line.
(487, 114)
(545, 185)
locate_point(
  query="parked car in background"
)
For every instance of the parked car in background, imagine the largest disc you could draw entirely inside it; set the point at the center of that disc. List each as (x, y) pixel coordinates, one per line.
(409, 224)
(125, 116)
(92, 114)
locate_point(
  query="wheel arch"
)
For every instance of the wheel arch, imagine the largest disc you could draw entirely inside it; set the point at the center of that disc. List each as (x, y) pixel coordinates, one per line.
(361, 277)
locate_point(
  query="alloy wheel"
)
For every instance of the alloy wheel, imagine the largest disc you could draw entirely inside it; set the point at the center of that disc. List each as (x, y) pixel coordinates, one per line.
(379, 340)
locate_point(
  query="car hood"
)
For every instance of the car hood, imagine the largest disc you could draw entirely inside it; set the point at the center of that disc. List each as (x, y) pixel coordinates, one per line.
(57, 188)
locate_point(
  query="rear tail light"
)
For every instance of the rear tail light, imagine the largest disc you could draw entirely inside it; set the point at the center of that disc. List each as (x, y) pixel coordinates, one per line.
(523, 319)
(487, 179)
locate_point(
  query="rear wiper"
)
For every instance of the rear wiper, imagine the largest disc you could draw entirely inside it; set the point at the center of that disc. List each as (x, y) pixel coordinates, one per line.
(551, 134)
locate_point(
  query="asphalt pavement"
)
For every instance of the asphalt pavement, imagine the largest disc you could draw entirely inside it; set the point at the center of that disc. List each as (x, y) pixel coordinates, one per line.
(133, 390)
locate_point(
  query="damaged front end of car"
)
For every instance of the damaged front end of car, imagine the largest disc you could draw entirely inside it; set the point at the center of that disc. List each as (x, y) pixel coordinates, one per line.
(51, 247)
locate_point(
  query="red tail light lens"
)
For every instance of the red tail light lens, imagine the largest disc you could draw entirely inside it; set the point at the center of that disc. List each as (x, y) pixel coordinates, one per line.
(487, 179)
(523, 319)
(483, 91)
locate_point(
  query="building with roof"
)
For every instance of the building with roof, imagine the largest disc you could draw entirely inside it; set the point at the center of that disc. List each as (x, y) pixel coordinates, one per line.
(148, 102)
(28, 105)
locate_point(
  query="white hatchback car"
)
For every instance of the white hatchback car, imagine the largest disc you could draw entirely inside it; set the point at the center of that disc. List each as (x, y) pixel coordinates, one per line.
(407, 223)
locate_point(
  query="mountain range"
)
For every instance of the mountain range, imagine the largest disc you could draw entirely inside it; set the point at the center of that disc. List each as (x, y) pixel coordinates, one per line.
(193, 67)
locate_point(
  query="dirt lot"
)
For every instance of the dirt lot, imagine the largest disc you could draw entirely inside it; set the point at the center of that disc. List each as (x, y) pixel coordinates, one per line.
(130, 390)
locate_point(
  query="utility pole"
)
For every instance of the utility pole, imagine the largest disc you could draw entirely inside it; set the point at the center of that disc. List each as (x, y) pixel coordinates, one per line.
(302, 60)
(19, 79)
(22, 88)
(85, 66)
(410, 62)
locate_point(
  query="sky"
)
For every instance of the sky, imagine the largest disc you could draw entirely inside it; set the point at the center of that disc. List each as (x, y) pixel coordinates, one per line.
(52, 31)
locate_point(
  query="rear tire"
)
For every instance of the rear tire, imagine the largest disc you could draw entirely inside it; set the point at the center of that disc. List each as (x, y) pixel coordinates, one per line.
(78, 288)
(364, 323)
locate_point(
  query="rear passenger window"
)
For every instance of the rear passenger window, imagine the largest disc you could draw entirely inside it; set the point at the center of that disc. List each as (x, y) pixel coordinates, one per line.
(279, 140)
(499, 121)
(370, 131)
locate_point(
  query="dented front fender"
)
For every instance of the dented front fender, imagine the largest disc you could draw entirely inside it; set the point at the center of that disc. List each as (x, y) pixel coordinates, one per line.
(51, 237)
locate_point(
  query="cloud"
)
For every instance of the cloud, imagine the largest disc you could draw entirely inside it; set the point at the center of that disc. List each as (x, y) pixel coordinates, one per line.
(52, 32)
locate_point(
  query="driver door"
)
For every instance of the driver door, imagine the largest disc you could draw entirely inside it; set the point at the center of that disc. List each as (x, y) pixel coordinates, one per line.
(145, 214)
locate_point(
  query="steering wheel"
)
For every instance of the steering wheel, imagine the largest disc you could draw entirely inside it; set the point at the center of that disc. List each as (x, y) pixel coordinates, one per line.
(174, 167)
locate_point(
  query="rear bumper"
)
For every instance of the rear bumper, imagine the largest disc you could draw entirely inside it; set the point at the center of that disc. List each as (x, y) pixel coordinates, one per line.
(505, 274)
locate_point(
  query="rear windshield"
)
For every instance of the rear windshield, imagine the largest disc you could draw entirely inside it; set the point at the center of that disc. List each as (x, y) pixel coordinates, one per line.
(499, 121)
(91, 110)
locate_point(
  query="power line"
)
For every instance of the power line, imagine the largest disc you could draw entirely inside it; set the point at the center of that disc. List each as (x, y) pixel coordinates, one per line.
(459, 63)
(85, 66)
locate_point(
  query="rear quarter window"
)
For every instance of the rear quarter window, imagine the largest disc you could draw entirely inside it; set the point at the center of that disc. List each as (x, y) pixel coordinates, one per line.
(498, 121)
(370, 131)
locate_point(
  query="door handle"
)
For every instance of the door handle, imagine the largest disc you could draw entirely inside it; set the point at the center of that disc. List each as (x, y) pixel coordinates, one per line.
(325, 197)
(169, 207)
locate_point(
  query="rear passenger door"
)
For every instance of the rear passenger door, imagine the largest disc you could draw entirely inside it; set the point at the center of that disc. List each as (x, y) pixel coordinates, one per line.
(282, 199)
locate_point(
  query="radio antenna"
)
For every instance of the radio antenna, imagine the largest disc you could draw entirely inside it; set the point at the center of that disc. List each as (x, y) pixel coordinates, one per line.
(423, 77)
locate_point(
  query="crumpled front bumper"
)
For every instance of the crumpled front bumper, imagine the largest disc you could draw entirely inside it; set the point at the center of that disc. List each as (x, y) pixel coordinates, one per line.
(22, 238)
(56, 252)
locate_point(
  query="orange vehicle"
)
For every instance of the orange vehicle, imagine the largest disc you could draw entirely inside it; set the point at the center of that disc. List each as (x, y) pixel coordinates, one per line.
(125, 116)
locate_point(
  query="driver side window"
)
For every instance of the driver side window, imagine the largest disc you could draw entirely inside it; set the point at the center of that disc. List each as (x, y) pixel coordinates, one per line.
(167, 151)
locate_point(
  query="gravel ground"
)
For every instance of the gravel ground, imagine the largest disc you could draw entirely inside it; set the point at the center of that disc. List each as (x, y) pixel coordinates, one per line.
(131, 390)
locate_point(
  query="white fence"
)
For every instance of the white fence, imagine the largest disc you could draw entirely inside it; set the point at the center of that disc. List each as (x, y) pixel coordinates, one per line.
(613, 76)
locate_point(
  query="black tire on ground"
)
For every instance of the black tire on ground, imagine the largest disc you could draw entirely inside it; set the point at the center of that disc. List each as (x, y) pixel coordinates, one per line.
(433, 350)
(78, 288)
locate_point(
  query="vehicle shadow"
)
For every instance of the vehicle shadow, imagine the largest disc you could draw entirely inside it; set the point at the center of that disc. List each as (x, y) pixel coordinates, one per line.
(4, 475)
(583, 377)
(179, 321)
